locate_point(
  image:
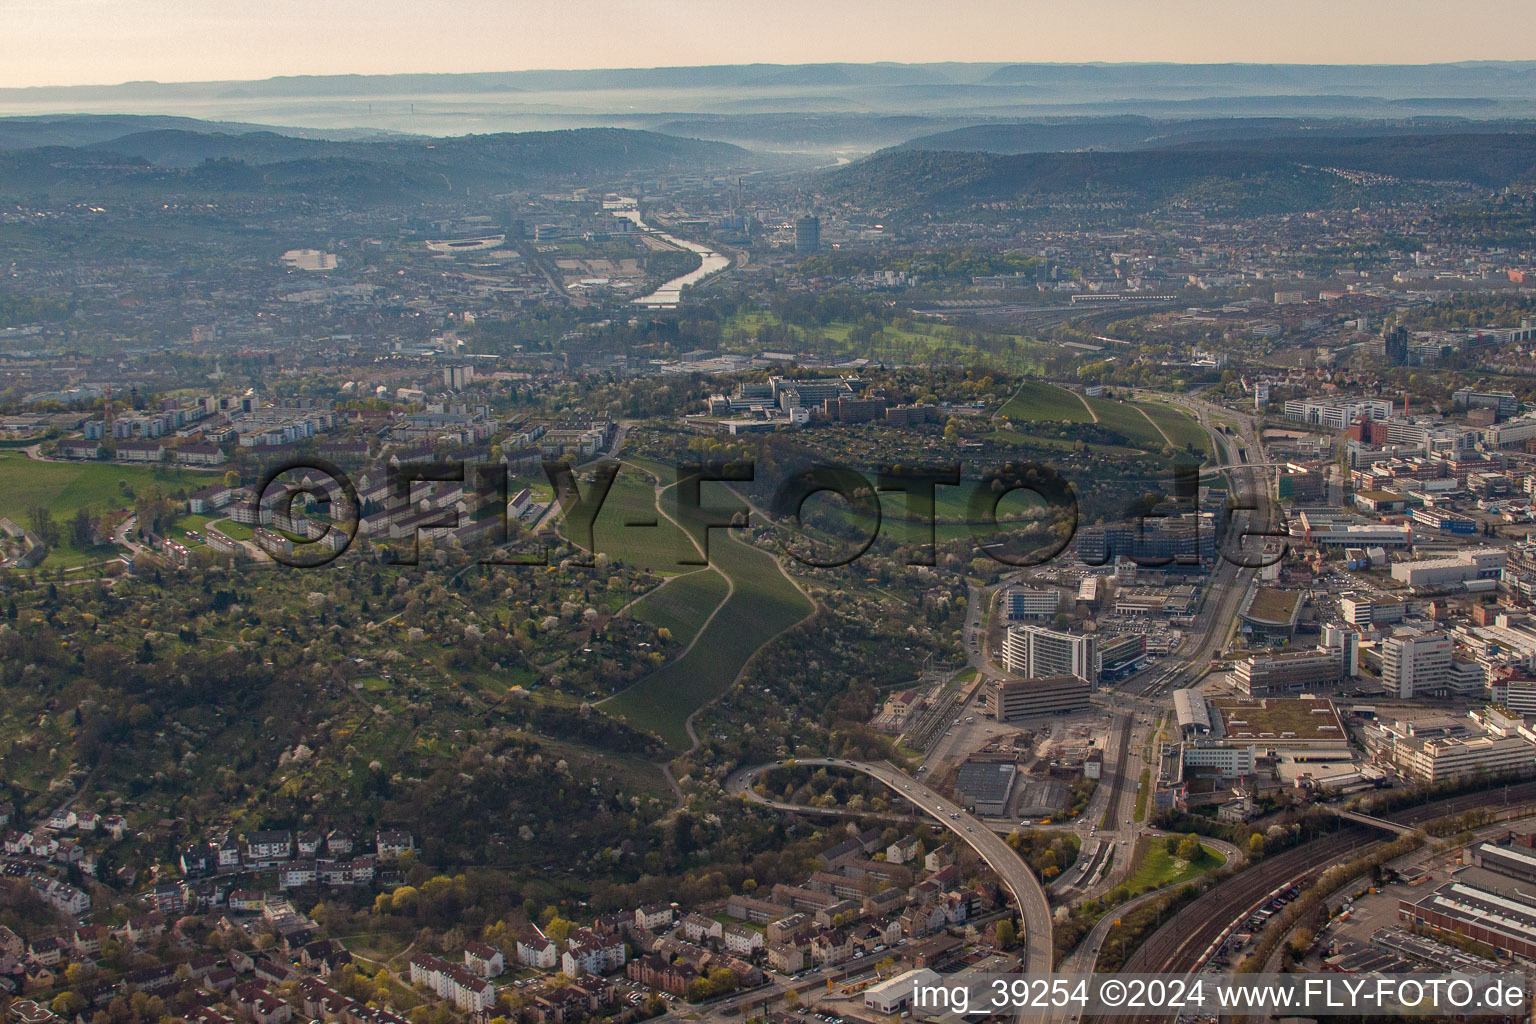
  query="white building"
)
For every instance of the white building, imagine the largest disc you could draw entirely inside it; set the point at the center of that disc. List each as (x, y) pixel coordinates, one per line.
(589, 953)
(1477, 564)
(895, 995)
(1035, 651)
(1031, 602)
(537, 951)
(1416, 664)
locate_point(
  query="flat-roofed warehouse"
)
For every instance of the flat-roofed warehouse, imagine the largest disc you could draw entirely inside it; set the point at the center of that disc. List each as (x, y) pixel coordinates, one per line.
(895, 995)
(985, 786)
(1513, 855)
(1043, 798)
(1279, 724)
(1504, 920)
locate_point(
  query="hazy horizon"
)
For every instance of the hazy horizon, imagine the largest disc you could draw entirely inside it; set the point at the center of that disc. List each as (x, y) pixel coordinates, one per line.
(100, 43)
(131, 82)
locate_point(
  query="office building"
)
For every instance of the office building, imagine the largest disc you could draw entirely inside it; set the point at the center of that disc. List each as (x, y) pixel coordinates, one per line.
(1036, 651)
(808, 234)
(1031, 603)
(1008, 699)
(1120, 656)
(1336, 414)
(1503, 403)
(1287, 673)
(1416, 665)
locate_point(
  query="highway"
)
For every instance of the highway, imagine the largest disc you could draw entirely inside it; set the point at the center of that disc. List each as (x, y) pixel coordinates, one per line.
(1231, 580)
(1015, 875)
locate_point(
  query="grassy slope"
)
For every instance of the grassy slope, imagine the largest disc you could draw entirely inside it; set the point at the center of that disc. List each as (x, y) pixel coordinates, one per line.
(1158, 867)
(659, 548)
(1037, 400)
(762, 604)
(1179, 426)
(682, 603)
(65, 487)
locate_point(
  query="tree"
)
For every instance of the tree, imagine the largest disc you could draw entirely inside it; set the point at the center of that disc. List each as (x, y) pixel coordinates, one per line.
(41, 520)
(1256, 845)
(67, 1004)
(1007, 934)
(1189, 849)
(81, 529)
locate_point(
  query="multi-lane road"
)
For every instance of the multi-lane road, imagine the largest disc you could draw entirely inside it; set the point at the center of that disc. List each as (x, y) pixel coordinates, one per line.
(1015, 875)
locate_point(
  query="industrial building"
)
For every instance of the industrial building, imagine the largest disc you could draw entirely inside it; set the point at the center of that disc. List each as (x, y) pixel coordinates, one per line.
(1263, 728)
(1447, 748)
(895, 994)
(1477, 564)
(1329, 527)
(1510, 855)
(986, 786)
(1504, 920)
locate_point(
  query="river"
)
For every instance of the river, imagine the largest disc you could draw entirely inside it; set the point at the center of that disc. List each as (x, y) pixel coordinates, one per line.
(671, 293)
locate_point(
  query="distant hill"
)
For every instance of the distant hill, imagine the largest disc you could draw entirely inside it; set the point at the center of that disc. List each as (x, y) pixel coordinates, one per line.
(1050, 135)
(1278, 173)
(1064, 82)
(266, 160)
(947, 94)
(1466, 78)
(807, 131)
(89, 129)
(520, 153)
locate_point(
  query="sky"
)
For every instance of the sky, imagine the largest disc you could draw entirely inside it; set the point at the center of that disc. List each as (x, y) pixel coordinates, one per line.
(72, 42)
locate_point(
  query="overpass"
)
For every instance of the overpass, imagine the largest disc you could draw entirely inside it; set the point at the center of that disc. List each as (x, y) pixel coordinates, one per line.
(1016, 876)
(1381, 823)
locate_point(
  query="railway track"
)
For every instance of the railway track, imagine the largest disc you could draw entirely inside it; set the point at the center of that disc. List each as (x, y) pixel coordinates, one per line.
(1181, 945)
(1125, 720)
